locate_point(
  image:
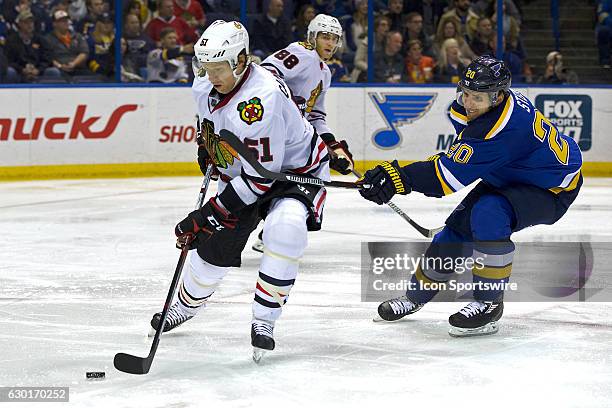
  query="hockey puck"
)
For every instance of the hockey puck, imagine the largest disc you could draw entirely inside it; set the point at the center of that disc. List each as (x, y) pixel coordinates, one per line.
(95, 375)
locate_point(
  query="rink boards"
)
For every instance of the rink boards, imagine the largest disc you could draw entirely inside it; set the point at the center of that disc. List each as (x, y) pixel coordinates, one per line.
(150, 131)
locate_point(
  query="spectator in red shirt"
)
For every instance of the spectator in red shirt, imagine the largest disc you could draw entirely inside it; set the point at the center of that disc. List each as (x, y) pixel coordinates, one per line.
(419, 67)
(166, 18)
(191, 11)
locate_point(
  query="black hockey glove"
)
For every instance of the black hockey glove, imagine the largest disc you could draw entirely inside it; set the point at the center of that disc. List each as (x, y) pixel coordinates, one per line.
(341, 159)
(204, 160)
(201, 224)
(386, 180)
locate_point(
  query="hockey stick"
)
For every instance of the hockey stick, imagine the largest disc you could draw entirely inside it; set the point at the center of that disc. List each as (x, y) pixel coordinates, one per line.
(427, 233)
(131, 364)
(247, 155)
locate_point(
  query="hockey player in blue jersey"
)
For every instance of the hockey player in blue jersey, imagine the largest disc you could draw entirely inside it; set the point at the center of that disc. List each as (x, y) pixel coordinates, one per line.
(529, 172)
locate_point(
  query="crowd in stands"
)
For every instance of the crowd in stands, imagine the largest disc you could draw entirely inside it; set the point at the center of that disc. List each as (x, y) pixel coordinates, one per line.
(59, 41)
(603, 31)
(439, 39)
(56, 41)
(414, 41)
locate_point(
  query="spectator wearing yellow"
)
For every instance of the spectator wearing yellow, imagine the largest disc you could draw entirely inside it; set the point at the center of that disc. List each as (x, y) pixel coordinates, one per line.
(100, 41)
(138, 45)
(167, 63)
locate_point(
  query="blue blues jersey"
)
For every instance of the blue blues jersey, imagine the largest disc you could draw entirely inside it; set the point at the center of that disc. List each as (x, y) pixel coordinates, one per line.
(511, 144)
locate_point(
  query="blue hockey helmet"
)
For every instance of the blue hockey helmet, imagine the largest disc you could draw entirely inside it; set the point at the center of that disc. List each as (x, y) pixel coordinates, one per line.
(486, 74)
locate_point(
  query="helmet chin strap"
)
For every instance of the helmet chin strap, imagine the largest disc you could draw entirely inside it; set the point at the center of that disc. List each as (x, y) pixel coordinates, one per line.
(493, 99)
(494, 102)
(238, 77)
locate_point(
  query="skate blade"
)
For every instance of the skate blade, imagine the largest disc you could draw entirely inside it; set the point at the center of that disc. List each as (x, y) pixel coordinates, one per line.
(378, 319)
(258, 354)
(151, 332)
(487, 329)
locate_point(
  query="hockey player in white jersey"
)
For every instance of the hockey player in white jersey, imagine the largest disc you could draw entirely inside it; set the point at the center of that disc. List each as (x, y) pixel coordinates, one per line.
(248, 100)
(302, 66)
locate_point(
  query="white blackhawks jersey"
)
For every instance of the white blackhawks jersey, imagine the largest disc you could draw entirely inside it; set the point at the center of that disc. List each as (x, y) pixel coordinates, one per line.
(261, 113)
(307, 76)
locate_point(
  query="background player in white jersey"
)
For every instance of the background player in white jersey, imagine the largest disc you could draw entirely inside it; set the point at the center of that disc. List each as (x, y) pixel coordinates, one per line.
(302, 66)
(248, 100)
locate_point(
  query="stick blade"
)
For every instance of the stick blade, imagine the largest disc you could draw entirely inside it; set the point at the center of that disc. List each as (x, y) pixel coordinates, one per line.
(434, 231)
(131, 364)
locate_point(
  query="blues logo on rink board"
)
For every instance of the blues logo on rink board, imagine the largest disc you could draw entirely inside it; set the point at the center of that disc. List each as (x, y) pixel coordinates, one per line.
(398, 109)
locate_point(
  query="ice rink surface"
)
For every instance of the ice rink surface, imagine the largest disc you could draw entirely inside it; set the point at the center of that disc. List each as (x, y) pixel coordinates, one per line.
(85, 263)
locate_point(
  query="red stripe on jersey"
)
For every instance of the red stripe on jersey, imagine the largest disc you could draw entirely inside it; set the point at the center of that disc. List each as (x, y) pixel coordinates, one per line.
(321, 201)
(258, 286)
(322, 147)
(260, 186)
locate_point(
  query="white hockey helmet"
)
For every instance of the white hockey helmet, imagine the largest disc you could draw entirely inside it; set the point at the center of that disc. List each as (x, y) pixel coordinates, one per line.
(322, 23)
(221, 41)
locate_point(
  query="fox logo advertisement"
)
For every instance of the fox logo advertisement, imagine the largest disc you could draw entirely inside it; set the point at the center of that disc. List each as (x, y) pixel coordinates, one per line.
(572, 114)
(398, 109)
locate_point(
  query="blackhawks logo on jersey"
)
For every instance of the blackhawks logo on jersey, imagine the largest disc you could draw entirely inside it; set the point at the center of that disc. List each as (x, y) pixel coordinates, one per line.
(221, 153)
(306, 45)
(251, 111)
(314, 95)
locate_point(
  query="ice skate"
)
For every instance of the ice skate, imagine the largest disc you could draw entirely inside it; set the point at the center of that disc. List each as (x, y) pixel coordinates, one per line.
(476, 319)
(175, 318)
(395, 309)
(262, 338)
